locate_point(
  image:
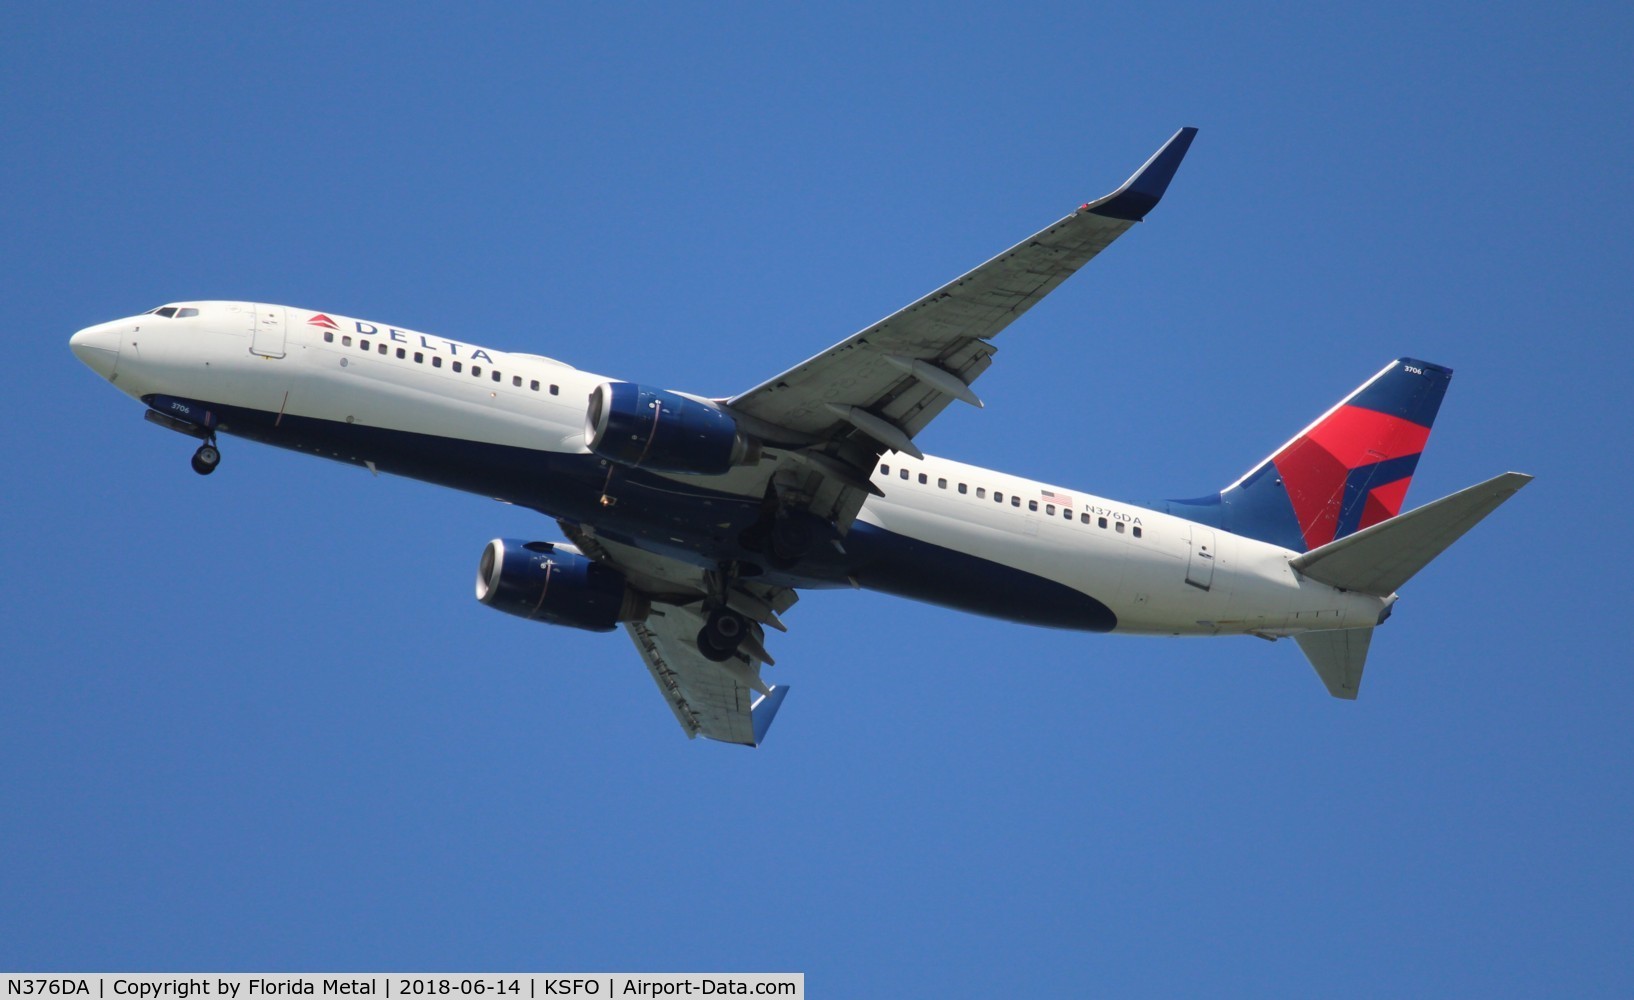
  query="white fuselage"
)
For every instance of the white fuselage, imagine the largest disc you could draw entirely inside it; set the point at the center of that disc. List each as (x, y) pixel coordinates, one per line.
(1156, 573)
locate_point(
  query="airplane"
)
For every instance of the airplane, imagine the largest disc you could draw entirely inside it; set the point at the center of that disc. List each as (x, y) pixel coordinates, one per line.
(693, 521)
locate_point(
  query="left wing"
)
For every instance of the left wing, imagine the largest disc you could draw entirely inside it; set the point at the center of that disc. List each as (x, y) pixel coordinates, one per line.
(834, 414)
(717, 700)
(726, 701)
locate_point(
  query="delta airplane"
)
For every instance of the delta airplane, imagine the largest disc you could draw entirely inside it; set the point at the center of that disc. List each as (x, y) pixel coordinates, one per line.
(693, 521)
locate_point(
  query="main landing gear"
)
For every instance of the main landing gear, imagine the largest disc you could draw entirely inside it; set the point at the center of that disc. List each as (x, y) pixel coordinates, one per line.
(206, 458)
(721, 635)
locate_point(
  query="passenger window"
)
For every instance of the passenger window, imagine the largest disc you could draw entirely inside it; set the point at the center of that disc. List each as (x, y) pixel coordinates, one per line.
(1084, 517)
(1066, 513)
(1032, 504)
(363, 344)
(963, 488)
(1135, 531)
(1015, 501)
(998, 497)
(1049, 509)
(941, 484)
(436, 361)
(476, 371)
(904, 473)
(329, 336)
(346, 341)
(401, 354)
(498, 377)
(455, 366)
(1119, 528)
(419, 358)
(981, 493)
(1100, 522)
(923, 479)
(534, 385)
(382, 347)
(885, 470)
(555, 390)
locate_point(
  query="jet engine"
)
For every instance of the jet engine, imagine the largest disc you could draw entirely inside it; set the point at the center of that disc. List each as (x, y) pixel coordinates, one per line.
(649, 428)
(543, 582)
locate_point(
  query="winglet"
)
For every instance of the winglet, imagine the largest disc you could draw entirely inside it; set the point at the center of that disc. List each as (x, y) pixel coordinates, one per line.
(1141, 192)
(764, 710)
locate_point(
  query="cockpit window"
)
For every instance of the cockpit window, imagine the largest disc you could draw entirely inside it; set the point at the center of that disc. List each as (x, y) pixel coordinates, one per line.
(167, 312)
(185, 312)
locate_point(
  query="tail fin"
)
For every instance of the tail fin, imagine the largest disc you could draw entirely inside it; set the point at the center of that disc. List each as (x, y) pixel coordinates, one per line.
(1348, 470)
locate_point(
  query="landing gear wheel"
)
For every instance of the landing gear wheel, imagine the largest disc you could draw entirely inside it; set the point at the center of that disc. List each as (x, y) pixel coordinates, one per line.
(721, 634)
(206, 459)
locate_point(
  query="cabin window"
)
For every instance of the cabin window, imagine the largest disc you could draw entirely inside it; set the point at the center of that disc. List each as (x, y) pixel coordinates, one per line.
(476, 371)
(884, 470)
(455, 366)
(383, 347)
(555, 390)
(923, 479)
(363, 344)
(941, 484)
(1084, 517)
(1135, 531)
(998, 497)
(346, 341)
(1100, 522)
(401, 354)
(1049, 508)
(1066, 513)
(963, 488)
(1032, 505)
(436, 361)
(498, 377)
(1119, 528)
(419, 358)
(1015, 501)
(329, 336)
(904, 473)
(981, 493)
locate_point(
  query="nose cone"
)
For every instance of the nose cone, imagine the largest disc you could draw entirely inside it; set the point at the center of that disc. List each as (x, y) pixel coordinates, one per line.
(98, 347)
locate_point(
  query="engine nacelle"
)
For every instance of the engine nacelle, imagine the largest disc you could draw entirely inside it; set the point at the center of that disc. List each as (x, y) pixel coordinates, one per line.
(552, 583)
(654, 429)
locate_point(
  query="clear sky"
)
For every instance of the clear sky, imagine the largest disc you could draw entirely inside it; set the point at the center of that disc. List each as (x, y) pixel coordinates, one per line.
(258, 722)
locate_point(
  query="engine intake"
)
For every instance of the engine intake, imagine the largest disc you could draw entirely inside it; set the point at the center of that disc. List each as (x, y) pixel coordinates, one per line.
(655, 429)
(543, 582)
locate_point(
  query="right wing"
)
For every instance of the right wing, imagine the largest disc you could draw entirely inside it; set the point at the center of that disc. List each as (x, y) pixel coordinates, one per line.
(834, 415)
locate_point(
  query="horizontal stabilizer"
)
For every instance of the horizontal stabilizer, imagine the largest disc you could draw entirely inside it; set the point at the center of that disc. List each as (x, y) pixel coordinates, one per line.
(1338, 657)
(1378, 560)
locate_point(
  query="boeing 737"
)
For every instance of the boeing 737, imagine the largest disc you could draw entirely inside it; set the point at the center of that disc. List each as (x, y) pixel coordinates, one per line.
(695, 521)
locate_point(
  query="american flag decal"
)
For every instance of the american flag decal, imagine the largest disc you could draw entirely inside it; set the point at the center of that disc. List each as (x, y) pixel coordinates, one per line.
(1064, 499)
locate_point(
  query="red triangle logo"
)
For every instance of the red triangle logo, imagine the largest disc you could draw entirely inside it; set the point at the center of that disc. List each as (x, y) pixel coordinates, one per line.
(321, 320)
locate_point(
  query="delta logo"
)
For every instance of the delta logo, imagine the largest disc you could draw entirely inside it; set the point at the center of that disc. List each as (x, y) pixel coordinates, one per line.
(324, 321)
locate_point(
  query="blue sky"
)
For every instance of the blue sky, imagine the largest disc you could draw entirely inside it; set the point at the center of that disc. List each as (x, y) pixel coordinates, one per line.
(257, 722)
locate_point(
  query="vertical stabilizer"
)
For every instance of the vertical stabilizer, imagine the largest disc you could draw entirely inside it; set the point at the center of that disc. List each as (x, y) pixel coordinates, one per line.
(1348, 470)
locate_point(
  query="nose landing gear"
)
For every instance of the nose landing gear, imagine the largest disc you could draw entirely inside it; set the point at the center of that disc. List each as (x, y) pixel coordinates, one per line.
(206, 458)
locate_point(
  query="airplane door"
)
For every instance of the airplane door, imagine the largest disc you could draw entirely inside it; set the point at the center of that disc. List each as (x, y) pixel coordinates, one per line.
(1200, 560)
(267, 334)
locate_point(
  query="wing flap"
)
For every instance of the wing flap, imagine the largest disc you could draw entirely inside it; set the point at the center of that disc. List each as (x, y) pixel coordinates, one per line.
(714, 700)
